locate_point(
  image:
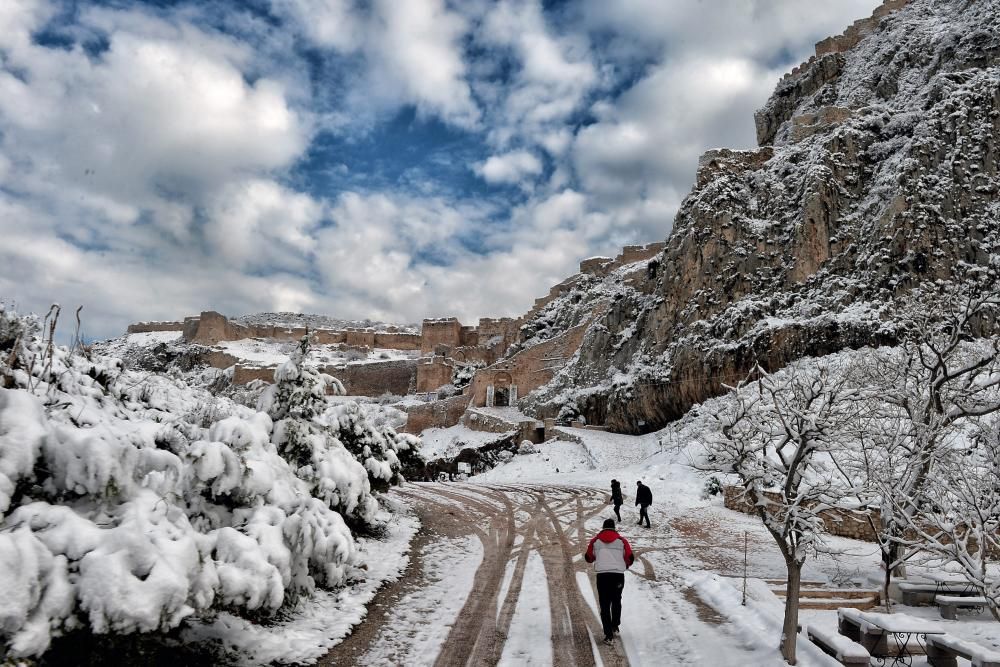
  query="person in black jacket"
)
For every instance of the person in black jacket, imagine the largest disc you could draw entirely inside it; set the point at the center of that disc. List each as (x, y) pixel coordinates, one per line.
(616, 497)
(643, 498)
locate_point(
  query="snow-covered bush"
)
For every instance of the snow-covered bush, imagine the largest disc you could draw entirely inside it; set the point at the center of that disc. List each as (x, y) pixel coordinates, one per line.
(712, 487)
(130, 502)
(463, 374)
(527, 447)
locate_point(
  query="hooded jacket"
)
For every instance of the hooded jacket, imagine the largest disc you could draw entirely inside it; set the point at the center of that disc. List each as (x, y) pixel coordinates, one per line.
(609, 552)
(643, 496)
(616, 494)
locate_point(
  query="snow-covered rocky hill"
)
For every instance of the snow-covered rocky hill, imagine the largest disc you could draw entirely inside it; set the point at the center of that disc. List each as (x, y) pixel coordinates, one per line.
(876, 181)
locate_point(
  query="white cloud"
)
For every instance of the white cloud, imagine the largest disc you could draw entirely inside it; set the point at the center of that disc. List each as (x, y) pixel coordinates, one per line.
(650, 140)
(553, 76)
(412, 52)
(329, 23)
(258, 224)
(510, 167)
(420, 47)
(151, 120)
(158, 177)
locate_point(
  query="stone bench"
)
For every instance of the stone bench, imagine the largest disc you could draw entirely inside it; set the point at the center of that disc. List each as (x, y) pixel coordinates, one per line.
(845, 650)
(944, 651)
(950, 604)
(920, 593)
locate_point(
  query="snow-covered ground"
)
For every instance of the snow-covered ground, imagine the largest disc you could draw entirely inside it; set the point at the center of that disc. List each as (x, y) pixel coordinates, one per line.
(695, 548)
(117, 346)
(273, 352)
(424, 616)
(312, 626)
(439, 443)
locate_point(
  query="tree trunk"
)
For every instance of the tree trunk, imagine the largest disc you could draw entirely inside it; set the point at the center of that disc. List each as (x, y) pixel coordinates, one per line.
(790, 630)
(888, 558)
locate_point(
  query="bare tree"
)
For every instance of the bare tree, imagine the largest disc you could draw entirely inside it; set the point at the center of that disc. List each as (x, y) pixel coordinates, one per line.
(956, 519)
(918, 395)
(776, 437)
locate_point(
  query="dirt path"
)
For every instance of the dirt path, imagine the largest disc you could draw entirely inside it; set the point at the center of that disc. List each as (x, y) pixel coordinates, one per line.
(511, 522)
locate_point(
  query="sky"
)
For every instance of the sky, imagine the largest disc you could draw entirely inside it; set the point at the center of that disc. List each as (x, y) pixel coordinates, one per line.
(386, 159)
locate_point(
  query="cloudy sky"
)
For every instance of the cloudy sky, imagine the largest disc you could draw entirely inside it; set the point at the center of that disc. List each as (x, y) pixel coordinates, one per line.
(389, 159)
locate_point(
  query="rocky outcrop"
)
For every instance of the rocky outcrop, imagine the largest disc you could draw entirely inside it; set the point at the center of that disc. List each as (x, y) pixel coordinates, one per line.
(877, 176)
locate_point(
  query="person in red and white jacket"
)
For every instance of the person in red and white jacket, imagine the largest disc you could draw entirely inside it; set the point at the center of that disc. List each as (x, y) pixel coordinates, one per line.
(611, 555)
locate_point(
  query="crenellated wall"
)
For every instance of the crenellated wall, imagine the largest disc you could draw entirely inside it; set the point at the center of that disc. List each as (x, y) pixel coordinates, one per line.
(147, 327)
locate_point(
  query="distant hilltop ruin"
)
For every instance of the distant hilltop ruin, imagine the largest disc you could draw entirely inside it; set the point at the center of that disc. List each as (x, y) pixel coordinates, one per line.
(503, 366)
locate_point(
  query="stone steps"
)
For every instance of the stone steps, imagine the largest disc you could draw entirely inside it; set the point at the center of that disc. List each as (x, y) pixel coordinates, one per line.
(838, 593)
(818, 595)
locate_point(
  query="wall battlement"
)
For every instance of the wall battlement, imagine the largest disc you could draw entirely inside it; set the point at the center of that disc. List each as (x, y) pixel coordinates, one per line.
(848, 39)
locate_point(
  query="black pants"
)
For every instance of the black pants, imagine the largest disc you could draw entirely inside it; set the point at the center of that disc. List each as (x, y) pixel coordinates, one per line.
(617, 513)
(609, 591)
(643, 515)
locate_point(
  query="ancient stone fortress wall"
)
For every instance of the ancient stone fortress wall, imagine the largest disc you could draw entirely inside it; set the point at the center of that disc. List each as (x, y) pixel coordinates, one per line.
(433, 372)
(603, 266)
(437, 414)
(211, 328)
(147, 327)
(509, 379)
(372, 379)
(443, 344)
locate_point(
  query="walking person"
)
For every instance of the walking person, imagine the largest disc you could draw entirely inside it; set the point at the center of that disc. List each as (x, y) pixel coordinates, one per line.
(616, 497)
(643, 498)
(611, 555)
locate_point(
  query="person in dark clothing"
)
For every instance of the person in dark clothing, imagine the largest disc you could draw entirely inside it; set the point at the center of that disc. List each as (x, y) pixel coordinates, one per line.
(611, 555)
(616, 497)
(643, 498)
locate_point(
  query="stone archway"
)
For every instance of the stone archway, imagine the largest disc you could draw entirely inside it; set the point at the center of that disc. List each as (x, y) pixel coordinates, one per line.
(502, 392)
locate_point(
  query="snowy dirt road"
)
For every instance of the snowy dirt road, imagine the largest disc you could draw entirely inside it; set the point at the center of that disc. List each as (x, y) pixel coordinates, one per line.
(500, 608)
(497, 577)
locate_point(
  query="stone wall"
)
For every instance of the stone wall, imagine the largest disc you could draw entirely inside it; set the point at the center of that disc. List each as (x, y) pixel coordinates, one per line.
(369, 379)
(146, 327)
(720, 161)
(807, 124)
(247, 374)
(595, 266)
(434, 333)
(375, 378)
(858, 30)
(439, 414)
(480, 421)
(840, 522)
(211, 328)
(530, 368)
(397, 341)
(433, 373)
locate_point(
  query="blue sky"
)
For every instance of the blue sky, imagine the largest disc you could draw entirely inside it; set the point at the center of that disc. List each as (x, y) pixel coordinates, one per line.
(383, 159)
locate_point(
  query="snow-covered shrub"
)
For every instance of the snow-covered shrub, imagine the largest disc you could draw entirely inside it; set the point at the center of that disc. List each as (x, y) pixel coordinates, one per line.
(527, 447)
(130, 502)
(447, 391)
(713, 487)
(463, 374)
(567, 414)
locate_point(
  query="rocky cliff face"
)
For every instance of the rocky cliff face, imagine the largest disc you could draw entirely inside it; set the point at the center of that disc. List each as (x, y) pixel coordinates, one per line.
(877, 177)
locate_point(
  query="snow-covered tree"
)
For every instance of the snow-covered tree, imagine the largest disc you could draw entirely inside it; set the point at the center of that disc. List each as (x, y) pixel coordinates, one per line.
(920, 397)
(122, 512)
(956, 519)
(776, 436)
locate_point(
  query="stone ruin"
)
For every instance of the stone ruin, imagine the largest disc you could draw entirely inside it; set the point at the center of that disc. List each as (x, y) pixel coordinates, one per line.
(440, 348)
